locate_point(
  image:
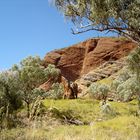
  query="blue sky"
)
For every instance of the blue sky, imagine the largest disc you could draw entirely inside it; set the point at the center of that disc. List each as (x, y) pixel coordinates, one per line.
(33, 27)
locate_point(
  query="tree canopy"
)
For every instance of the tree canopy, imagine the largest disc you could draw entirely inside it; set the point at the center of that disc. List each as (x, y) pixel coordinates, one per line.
(120, 16)
(32, 74)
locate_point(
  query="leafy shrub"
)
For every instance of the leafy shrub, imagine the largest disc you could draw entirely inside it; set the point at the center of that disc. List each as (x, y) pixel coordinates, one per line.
(107, 110)
(10, 99)
(18, 86)
(99, 91)
(52, 71)
(31, 75)
(56, 91)
(125, 86)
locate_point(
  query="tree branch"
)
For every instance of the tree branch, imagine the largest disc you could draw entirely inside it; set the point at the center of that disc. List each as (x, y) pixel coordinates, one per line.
(97, 29)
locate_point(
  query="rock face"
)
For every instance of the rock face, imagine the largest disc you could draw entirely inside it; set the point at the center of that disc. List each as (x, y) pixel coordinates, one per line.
(68, 60)
(81, 58)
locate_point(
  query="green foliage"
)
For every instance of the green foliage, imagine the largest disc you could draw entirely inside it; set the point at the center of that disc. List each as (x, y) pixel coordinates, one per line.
(9, 89)
(21, 82)
(107, 110)
(106, 81)
(10, 99)
(134, 65)
(56, 91)
(99, 91)
(31, 75)
(103, 89)
(84, 110)
(133, 61)
(94, 88)
(121, 127)
(52, 71)
(126, 85)
(101, 15)
(128, 89)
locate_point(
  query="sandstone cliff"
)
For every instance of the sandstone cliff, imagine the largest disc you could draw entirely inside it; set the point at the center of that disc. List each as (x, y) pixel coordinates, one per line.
(81, 58)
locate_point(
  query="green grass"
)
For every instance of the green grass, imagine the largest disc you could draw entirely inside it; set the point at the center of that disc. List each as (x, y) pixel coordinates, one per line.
(124, 126)
(129, 108)
(84, 110)
(106, 81)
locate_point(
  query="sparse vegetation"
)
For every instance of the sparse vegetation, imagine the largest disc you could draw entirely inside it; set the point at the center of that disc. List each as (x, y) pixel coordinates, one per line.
(56, 91)
(125, 125)
(19, 88)
(31, 104)
(99, 91)
(66, 119)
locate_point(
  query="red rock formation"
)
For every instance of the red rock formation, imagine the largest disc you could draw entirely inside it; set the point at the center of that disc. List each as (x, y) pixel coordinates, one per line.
(81, 58)
(70, 91)
(68, 60)
(106, 49)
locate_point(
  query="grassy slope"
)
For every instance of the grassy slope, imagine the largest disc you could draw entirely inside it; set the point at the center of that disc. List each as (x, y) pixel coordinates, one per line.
(123, 126)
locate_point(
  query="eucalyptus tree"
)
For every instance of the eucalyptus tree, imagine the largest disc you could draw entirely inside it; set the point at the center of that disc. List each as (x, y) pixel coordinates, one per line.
(134, 65)
(32, 74)
(10, 99)
(120, 79)
(127, 85)
(120, 16)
